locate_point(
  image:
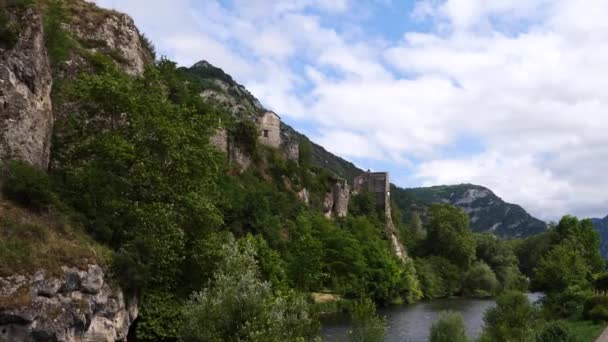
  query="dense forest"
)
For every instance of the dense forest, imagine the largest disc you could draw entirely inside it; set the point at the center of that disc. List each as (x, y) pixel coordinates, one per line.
(216, 252)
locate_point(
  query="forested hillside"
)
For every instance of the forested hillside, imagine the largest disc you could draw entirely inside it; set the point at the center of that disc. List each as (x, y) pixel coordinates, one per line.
(144, 200)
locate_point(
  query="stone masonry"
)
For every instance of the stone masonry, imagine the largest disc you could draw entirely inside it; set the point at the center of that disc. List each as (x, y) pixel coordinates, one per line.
(270, 129)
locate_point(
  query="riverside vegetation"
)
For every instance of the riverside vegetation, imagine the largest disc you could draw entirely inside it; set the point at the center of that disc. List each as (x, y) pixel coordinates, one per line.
(217, 253)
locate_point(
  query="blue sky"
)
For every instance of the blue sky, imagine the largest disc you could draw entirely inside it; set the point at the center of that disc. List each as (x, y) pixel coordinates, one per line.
(508, 94)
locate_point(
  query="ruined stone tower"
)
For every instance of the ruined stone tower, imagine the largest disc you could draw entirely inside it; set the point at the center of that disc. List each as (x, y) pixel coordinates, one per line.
(270, 129)
(378, 184)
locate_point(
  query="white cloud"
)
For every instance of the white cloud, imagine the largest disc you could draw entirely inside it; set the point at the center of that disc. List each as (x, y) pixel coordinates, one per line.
(525, 79)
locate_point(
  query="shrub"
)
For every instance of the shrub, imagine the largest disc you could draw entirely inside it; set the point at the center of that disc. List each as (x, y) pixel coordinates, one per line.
(449, 328)
(368, 327)
(511, 320)
(566, 304)
(596, 308)
(480, 280)
(239, 306)
(27, 186)
(554, 332)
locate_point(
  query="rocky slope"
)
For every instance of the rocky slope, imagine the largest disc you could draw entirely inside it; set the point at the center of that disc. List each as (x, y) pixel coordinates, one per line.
(78, 305)
(221, 89)
(487, 212)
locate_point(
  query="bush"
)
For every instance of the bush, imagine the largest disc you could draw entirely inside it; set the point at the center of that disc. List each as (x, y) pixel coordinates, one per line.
(480, 281)
(566, 304)
(239, 306)
(596, 308)
(27, 186)
(368, 327)
(449, 328)
(511, 320)
(554, 332)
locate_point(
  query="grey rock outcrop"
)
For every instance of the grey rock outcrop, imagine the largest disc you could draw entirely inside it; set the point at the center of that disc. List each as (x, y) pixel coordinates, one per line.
(26, 117)
(78, 305)
(335, 202)
(114, 33)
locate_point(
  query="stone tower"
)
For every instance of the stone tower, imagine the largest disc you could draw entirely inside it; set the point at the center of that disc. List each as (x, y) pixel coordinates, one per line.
(270, 129)
(378, 184)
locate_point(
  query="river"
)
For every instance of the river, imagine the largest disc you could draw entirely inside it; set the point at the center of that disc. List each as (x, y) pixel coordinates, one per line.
(412, 323)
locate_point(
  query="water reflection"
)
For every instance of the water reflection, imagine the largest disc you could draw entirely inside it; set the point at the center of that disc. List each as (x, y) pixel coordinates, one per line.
(412, 323)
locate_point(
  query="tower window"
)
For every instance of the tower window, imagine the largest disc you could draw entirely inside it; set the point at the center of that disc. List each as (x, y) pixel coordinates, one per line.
(266, 133)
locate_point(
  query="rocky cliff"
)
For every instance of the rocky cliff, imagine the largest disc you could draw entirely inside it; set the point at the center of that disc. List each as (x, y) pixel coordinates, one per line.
(487, 212)
(26, 116)
(77, 305)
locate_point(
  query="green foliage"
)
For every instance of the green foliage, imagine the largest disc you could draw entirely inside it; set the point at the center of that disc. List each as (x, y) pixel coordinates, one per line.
(305, 153)
(58, 42)
(554, 332)
(144, 180)
(438, 277)
(480, 281)
(148, 45)
(499, 255)
(27, 185)
(562, 267)
(448, 235)
(511, 320)
(238, 305)
(368, 326)
(245, 134)
(580, 235)
(449, 328)
(160, 316)
(600, 282)
(363, 204)
(565, 304)
(596, 308)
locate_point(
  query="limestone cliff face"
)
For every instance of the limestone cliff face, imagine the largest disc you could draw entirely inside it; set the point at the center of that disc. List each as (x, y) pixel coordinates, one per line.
(111, 33)
(335, 202)
(26, 116)
(78, 305)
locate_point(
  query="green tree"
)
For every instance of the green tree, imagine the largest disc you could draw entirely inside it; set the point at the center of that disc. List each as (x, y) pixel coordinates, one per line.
(449, 328)
(239, 306)
(562, 267)
(367, 325)
(480, 280)
(449, 236)
(554, 332)
(511, 320)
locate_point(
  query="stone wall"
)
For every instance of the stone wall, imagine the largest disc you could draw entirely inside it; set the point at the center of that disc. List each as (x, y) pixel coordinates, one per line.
(379, 185)
(79, 305)
(234, 153)
(270, 129)
(26, 116)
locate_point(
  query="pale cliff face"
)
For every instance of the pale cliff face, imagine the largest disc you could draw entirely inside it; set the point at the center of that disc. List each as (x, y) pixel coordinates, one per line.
(26, 78)
(26, 117)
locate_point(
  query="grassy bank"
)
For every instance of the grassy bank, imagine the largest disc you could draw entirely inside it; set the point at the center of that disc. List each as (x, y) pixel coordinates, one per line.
(585, 331)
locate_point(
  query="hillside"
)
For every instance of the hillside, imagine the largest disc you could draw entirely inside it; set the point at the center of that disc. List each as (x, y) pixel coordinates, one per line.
(487, 212)
(222, 90)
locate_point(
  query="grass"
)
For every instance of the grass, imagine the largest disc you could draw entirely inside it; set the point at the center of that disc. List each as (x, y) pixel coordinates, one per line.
(585, 331)
(31, 241)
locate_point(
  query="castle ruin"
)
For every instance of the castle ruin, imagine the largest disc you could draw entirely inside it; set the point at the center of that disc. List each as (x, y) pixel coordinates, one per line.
(377, 183)
(269, 125)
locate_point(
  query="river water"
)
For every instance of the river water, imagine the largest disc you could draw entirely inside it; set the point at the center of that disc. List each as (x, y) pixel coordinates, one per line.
(412, 323)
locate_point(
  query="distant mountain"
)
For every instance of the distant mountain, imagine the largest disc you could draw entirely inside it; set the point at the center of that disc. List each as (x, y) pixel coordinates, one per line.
(220, 88)
(601, 225)
(487, 212)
